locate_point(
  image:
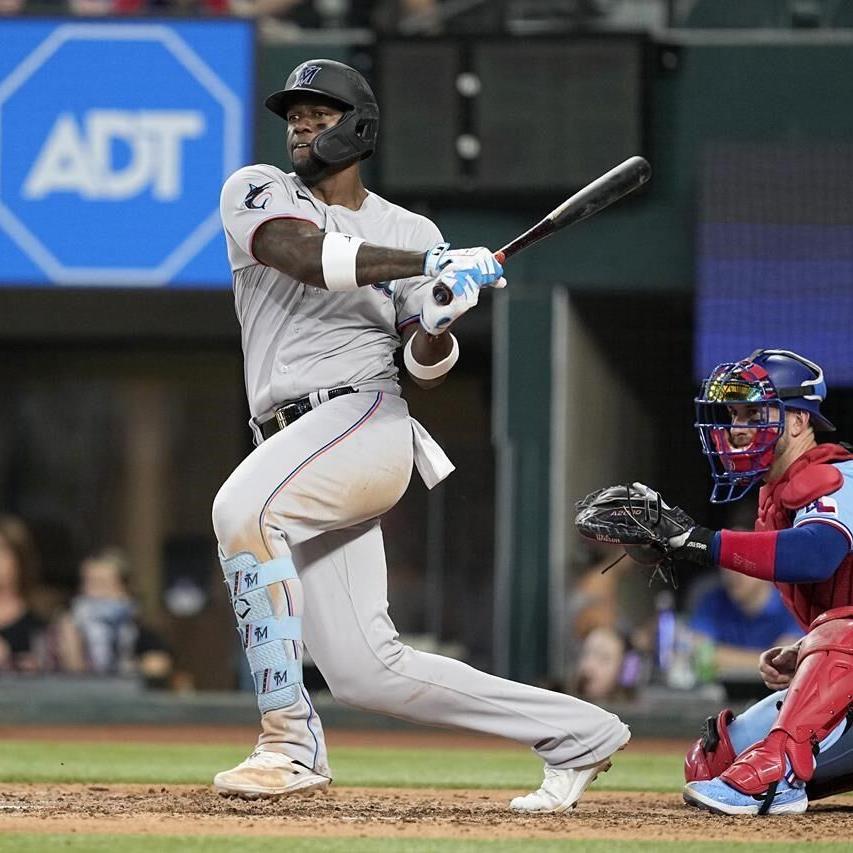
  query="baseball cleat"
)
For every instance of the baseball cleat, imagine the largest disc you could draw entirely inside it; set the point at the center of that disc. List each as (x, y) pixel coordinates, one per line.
(268, 774)
(716, 796)
(560, 790)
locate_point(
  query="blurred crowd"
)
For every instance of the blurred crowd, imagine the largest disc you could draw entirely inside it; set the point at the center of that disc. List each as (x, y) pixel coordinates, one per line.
(631, 631)
(301, 13)
(97, 630)
(407, 17)
(626, 633)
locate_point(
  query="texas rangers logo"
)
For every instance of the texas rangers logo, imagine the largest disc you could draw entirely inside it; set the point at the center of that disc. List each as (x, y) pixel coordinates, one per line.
(827, 506)
(306, 75)
(257, 198)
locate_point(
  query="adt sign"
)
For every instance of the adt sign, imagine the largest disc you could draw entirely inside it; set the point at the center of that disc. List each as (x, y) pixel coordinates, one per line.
(115, 139)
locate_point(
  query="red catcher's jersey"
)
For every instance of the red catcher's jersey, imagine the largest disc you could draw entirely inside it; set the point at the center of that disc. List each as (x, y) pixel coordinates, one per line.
(810, 477)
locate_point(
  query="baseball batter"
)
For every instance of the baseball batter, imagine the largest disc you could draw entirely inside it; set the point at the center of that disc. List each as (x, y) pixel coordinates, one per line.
(329, 280)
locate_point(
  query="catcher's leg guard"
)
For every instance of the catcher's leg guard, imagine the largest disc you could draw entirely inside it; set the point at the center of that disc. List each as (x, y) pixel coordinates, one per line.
(271, 634)
(713, 752)
(820, 694)
(834, 771)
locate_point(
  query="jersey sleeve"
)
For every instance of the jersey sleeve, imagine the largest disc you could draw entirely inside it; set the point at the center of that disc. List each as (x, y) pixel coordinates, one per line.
(409, 293)
(254, 195)
(835, 509)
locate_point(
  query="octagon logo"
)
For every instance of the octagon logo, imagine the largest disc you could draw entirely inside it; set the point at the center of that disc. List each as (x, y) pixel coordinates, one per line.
(115, 139)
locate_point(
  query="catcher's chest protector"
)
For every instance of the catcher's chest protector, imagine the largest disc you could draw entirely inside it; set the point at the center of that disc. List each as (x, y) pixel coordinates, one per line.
(811, 477)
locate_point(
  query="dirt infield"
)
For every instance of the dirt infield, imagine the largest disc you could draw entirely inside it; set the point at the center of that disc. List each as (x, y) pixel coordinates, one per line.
(358, 812)
(372, 812)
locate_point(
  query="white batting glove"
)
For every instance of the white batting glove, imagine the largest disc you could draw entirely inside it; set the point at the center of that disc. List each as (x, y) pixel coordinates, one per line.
(434, 260)
(436, 318)
(480, 261)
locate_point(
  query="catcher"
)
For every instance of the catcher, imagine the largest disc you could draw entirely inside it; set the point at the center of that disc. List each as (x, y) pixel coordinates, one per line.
(757, 420)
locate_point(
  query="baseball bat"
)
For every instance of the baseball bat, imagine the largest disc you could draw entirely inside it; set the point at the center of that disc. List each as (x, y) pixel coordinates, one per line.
(593, 198)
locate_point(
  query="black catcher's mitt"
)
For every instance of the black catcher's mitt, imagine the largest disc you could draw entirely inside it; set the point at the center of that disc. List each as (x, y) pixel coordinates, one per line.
(636, 517)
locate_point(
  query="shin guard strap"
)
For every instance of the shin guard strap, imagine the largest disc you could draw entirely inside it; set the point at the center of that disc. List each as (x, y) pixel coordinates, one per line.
(267, 630)
(768, 799)
(244, 574)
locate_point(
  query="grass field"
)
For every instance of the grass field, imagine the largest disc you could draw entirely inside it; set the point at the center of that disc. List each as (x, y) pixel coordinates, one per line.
(136, 797)
(39, 761)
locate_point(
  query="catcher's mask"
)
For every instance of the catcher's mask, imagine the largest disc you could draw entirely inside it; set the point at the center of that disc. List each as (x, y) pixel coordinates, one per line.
(769, 382)
(353, 138)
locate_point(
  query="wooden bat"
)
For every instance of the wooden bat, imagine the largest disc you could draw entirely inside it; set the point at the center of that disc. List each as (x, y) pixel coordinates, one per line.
(593, 198)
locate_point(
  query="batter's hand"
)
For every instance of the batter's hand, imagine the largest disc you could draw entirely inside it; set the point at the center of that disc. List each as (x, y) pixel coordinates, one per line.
(480, 261)
(777, 666)
(465, 286)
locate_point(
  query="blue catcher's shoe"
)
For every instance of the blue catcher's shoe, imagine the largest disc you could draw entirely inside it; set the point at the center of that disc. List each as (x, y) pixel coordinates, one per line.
(716, 796)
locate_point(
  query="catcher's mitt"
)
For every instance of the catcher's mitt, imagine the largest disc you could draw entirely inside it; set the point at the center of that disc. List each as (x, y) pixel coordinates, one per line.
(636, 517)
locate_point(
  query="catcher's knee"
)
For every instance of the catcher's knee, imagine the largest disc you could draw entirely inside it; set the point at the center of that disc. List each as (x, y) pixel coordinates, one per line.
(267, 603)
(713, 752)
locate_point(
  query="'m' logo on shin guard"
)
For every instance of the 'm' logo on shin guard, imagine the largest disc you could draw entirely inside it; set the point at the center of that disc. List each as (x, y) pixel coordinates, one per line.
(261, 634)
(279, 677)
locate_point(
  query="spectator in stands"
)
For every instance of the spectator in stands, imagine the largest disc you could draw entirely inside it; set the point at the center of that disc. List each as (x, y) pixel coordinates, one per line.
(12, 7)
(611, 626)
(98, 8)
(742, 616)
(365, 14)
(608, 666)
(21, 631)
(101, 632)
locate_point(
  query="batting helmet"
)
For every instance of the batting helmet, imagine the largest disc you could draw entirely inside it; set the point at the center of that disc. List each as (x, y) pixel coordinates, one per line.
(353, 138)
(770, 381)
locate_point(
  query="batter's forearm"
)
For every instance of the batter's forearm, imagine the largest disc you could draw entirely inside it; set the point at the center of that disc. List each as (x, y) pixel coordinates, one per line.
(377, 263)
(303, 259)
(430, 349)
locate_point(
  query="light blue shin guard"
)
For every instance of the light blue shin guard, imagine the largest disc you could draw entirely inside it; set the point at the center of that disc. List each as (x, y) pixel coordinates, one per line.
(273, 644)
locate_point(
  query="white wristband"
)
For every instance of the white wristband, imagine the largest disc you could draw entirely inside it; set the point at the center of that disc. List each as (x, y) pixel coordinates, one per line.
(430, 371)
(339, 251)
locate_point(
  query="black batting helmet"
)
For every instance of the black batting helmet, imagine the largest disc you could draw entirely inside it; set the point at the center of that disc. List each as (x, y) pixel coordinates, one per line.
(353, 138)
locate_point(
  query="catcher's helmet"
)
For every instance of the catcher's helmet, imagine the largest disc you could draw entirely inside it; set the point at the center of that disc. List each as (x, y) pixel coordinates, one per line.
(771, 381)
(353, 138)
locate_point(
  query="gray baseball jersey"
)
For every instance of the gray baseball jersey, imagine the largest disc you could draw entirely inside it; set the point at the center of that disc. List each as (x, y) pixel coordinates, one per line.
(298, 338)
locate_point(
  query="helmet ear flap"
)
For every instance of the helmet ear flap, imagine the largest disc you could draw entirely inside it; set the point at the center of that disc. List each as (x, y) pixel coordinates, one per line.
(365, 130)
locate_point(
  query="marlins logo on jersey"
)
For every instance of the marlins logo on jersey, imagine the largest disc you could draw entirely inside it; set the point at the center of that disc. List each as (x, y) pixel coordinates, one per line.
(257, 197)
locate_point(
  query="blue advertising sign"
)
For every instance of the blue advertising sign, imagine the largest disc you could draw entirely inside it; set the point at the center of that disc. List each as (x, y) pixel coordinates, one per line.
(115, 139)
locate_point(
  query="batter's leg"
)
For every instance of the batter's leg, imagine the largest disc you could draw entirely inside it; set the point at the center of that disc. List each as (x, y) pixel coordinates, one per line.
(309, 476)
(356, 647)
(290, 755)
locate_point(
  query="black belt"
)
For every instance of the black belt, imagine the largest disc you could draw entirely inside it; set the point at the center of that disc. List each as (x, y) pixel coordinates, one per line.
(292, 410)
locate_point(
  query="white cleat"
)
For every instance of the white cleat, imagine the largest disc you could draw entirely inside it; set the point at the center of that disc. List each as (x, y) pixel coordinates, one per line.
(268, 774)
(560, 791)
